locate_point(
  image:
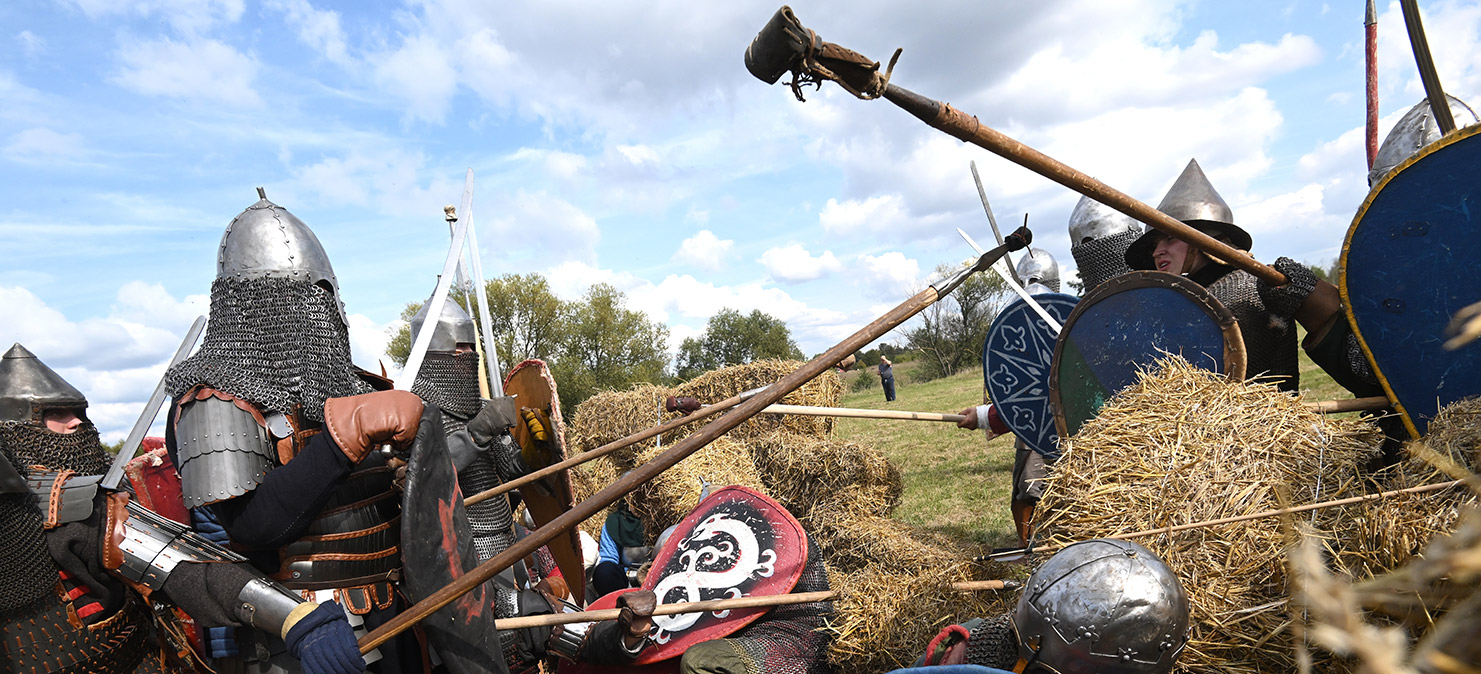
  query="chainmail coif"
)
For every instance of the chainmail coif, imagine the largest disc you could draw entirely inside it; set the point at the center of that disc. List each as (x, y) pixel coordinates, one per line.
(1102, 259)
(451, 383)
(275, 342)
(30, 574)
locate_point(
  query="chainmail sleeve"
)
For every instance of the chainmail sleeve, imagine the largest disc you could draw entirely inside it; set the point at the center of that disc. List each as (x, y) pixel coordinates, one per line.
(791, 639)
(991, 644)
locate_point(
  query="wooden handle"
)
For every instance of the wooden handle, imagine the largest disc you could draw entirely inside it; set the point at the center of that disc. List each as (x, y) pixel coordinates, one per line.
(854, 413)
(1349, 405)
(549, 620)
(958, 124)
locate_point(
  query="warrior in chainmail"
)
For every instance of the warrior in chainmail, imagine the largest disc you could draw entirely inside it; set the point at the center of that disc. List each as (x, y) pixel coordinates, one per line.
(1102, 605)
(1038, 267)
(63, 608)
(1099, 237)
(448, 379)
(1269, 341)
(272, 429)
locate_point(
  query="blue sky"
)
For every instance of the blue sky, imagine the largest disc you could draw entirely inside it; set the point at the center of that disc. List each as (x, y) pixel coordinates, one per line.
(625, 142)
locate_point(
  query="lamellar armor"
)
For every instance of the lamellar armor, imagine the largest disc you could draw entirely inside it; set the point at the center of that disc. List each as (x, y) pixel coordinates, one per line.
(1099, 237)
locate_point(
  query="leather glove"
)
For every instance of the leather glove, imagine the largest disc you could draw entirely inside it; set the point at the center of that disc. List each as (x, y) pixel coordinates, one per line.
(1283, 301)
(681, 404)
(636, 618)
(493, 420)
(538, 454)
(364, 422)
(323, 641)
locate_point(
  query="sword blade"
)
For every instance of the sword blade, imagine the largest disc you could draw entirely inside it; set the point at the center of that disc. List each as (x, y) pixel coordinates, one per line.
(997, 233)
(434, 306)
(114, 476)
(490, 351)
(1032, 303)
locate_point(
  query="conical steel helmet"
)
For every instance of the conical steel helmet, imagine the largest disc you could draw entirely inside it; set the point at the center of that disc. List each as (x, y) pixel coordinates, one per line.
(453, 327)
(28, 388)
(1416, 129)
(1193, 200)
(266, 241)
(1039, 267)
(1102, 606)
(1092, 220)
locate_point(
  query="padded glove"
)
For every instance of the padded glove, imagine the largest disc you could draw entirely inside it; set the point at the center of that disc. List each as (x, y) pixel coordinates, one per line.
(493, 420)
(364, 422)
(636, 618)
(323, 641)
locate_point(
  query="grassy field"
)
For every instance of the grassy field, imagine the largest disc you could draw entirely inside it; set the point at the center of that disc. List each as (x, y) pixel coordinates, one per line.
(955, 482)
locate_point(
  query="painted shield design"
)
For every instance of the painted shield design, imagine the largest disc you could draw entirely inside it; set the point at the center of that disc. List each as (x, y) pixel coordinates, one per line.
(533, 388)
(1408, 264)
(437, 548)
(1017, 357)
(737, 543)
(1126, 324)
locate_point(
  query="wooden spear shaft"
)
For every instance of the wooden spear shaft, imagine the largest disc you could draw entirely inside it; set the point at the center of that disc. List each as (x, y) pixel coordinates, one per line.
(552, 619)
(809, 411)
(956, 123)
(1349, 405)
(642, 474)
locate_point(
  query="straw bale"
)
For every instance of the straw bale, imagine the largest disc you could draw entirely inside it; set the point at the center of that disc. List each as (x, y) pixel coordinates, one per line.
(802, 471)
(1185, 445)
(1391, 531)
(588, 479)
(669, 496)
(822, 391)
(613, 415)
(883, 620)
(851, 542)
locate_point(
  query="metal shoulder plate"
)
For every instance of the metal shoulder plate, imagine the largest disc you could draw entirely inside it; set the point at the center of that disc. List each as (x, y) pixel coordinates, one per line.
(153, 546)
(63, 496)
(224, 451)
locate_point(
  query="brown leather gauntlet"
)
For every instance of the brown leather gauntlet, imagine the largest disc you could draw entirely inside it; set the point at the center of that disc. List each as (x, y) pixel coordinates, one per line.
(364, 422)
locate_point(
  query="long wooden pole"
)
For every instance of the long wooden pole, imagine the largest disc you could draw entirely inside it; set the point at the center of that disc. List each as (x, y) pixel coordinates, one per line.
(956, 123)
(552, 619)
(854, 413)
(1348, 405)
(642, 474)
(1172, 529)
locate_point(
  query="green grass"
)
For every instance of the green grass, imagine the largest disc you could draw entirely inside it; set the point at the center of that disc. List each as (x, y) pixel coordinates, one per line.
(955, 483)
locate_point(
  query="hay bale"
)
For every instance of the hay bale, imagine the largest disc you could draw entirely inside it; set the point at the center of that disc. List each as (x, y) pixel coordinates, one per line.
(883, 620)
(669, 496)
(802, 471)
(588, 479)
(1385, 534)
(822, 391)
(612, 415)
(1185, 445)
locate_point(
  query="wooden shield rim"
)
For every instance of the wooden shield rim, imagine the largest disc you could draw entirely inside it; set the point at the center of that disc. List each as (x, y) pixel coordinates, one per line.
(1234, 353)
(986, 389)
(1352, 229)
(572, 556)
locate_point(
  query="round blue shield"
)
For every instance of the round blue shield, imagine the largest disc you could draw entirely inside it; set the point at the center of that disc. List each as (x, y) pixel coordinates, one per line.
(1016, 359)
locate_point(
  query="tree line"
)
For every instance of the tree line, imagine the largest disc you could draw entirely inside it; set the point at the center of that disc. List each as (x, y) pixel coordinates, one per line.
(597, 343)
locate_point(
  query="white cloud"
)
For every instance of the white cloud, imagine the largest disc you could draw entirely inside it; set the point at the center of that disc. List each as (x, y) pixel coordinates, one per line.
(32, 45)
(201, 70)
(317, 28)
(704, 250)
(793, 264)
(187, 16)
(42, 145)
(867, 215)
(419, 74)
(368, 340)
(540, 226)
(887, 276)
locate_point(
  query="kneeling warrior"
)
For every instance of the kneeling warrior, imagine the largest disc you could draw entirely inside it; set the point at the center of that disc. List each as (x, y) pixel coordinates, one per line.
(1103, 605)
(272, 428)
(90, 573)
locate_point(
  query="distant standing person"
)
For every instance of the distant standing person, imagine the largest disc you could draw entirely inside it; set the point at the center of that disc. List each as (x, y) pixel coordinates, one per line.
(887, 379)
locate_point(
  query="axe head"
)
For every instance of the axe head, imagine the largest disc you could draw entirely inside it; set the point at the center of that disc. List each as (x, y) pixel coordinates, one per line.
(779, 46)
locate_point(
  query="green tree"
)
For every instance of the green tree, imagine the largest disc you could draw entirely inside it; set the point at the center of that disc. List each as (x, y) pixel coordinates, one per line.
(950, 333)
(529, 320)
(607, 346)
(733, 338)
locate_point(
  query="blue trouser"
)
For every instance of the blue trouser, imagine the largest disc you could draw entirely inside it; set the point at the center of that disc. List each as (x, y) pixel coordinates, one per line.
(889, 388)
